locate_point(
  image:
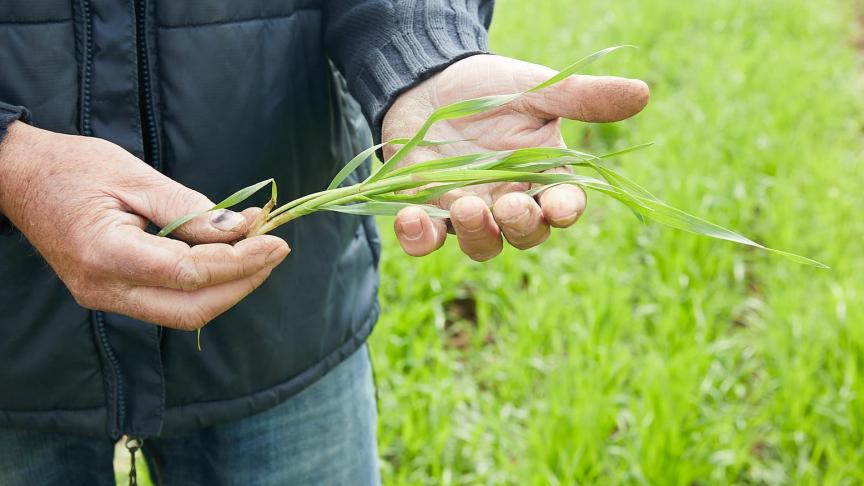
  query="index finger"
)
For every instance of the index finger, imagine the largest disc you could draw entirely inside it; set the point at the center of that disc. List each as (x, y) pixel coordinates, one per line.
(188, 310)
(138, 258)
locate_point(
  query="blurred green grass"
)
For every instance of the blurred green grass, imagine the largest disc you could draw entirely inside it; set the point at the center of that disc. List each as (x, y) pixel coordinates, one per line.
(620, 353)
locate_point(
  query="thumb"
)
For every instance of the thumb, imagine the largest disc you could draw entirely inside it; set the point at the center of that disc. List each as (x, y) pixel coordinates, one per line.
(163, 200)
(597, 99)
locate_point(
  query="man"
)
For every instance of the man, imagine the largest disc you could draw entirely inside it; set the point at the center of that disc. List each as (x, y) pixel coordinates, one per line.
(120, 113)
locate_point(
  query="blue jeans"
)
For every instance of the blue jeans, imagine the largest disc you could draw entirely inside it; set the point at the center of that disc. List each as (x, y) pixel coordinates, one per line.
(323, 436)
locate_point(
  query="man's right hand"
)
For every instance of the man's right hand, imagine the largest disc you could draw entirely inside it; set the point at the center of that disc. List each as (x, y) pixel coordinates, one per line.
(84, 204)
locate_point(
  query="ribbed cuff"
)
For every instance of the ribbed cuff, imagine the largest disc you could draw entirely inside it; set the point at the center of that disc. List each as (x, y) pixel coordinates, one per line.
(8, 114)
(439, 36)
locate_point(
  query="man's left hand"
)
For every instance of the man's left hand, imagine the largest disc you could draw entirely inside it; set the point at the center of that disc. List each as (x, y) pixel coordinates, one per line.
(531, 121)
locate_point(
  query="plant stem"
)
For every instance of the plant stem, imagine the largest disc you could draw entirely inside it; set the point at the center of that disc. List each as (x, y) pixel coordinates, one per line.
(354, 193)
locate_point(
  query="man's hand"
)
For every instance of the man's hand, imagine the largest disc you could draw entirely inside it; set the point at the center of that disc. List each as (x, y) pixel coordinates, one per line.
(84, 204)
(533, 120)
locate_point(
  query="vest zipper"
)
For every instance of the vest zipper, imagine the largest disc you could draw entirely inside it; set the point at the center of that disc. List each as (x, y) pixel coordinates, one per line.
(87, 130)
(86, 93)
(145, 97)
(133, 445)
(119, 395)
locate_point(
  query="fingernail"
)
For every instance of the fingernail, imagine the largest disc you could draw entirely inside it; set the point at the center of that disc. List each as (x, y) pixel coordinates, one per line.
(521, 211)
(565, 207)
(411, 229)
(226, 220)
(473, 221)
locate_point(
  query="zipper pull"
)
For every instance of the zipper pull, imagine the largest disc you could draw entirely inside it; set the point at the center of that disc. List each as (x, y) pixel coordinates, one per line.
(132, 445)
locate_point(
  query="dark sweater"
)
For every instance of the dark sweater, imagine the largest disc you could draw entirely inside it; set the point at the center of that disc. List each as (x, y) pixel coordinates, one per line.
(384, 47)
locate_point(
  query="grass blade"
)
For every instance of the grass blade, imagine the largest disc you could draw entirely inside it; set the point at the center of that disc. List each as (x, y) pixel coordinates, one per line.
(358, 159)
(244, 194)
(455, 110)
(571, 69)
(233, 199)
(352, 165)
(658, 211)
(425, 195)
(676, 218)
(445, 163)
(621, 182)
(627, 150)
(381, 208)
(173, 225)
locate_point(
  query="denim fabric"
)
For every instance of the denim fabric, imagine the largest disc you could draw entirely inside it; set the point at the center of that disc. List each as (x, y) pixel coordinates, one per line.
(323, 436)
(51, 458)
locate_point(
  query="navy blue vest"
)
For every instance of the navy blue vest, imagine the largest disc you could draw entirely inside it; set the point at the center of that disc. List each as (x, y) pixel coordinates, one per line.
(216, 94)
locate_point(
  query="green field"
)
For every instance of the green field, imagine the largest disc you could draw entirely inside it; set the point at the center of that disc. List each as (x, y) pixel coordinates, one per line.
(621, 353)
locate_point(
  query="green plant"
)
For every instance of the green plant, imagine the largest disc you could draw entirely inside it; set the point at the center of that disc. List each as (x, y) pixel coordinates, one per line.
(382, 192)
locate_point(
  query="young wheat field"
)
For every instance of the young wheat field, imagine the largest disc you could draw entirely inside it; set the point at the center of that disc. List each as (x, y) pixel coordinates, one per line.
(621, 353)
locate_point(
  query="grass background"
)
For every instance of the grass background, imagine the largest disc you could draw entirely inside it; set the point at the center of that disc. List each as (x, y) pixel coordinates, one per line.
(619, 353)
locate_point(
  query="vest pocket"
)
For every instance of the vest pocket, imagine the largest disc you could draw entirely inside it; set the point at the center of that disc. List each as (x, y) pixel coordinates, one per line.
(33, 11)
(203, 12)
(39, 68)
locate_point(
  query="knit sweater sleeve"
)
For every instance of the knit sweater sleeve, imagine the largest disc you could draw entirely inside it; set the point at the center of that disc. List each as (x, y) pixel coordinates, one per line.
(8, 114)
(384, 47)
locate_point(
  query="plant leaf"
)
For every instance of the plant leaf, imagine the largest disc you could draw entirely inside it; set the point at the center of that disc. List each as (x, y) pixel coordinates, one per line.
(455, 110)
(236, 198)
(358, 159)
(648, 207)
(535, 191)
(676, 218)
(627, 150)
(571, 69)
(382, 208)
(424, 195)
(618, 180)
(352, 165)
(446, 163)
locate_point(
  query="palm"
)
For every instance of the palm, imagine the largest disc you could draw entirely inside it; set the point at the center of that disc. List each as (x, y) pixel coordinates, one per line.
(509, 127)
(531, 121)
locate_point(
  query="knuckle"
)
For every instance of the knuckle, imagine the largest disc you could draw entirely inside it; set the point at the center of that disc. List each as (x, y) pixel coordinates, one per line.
(188, 275)
(236, 261)
(90, 262)
(184, 198)
(249, 259)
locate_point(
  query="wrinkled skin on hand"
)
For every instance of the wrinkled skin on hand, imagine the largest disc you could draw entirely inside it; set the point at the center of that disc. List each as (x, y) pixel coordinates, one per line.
(84, 204)
(531, 121)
